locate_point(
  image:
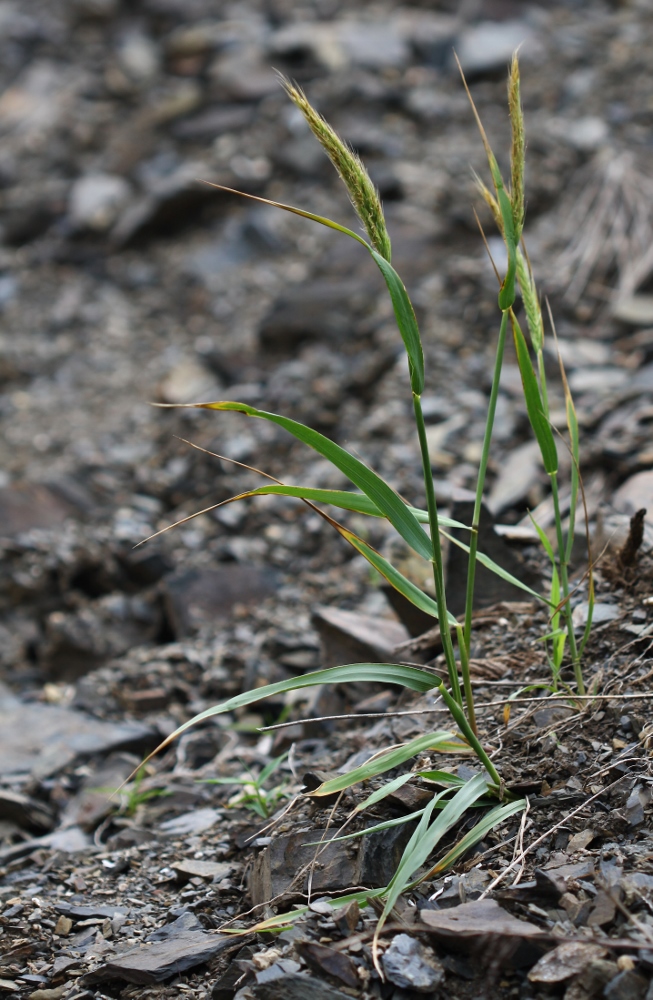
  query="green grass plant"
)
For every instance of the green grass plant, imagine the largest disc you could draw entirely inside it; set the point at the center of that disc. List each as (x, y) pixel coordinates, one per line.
(375, 497)
(253, 794)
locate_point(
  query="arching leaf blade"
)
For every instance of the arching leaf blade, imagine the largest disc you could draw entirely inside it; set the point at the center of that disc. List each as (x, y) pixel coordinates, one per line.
(394, 577)
(389, 759)
(383, 496)
(406, 321)
(534, 404)
(384, 673)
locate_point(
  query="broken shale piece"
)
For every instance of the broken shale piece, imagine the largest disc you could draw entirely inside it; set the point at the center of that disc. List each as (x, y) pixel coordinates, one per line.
(172, 949)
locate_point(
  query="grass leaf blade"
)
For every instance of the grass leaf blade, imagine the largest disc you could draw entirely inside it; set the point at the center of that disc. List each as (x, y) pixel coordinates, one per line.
(534, 404)
(382, 495)
(406, 321)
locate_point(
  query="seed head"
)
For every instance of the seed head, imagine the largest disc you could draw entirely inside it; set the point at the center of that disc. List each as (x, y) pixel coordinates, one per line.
(531, 301)
(517, 153)
(364, 196)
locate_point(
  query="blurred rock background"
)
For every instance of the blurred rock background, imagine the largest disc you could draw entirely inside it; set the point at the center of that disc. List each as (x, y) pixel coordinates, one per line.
(125, 280)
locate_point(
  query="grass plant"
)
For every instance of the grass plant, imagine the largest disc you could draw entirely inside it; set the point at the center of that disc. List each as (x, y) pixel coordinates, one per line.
(375, 497)
(253, 794)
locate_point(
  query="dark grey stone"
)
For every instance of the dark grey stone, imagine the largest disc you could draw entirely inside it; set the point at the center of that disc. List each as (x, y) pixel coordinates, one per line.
(626, 985)
(172, 949)
(410, 965)
(297, 987)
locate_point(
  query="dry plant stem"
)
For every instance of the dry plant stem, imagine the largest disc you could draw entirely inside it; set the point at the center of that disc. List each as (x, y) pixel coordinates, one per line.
(438, 575)
(518, 860)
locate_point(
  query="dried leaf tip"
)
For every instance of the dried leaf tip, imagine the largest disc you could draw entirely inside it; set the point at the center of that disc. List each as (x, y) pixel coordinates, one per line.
(364, 196)
(517, 154)
(489, 199)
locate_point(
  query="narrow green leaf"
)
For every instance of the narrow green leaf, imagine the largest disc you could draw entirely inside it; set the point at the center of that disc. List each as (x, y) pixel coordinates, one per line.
(382, 495)
(295, 211)
(534, 404)
(386, 761)
(441, 777)
(426, 838)
(343, 499)
(387, 825)
(546, 543)
(282, 920)
(483, 827)
(385, 790)
(376, 673)
(495, 568)
(406, 321)
(391, 574)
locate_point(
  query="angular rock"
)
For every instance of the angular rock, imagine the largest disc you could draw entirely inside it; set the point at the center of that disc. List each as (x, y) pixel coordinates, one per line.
(466, 926)
(215, 870)
(380, 854)
(171, 950)
(635, 310)
(346, 919)
(348, 637)
(634, 494)
(298, 987)
(592, 980)
(23, 508)
(519, 472)
(372, 44)
(277, 866)
(42, 739)
(579, 841)
(191, 823)
(213, 122)
(188, 382)
(320, 310)
(626, 985)
(489, 45)
(195, 597)
(329, 961)
(411, 966)
(545, 717)
(69, 841)
(603, 910)
(25, 812)
(96, 201)
(79, 641)
(78, 911)
(565, 961)
(97, 798)
(170, 201)
(489, 588)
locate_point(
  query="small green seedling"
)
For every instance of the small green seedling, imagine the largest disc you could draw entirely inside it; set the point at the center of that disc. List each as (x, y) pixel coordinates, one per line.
(132, 795)
(253, 795)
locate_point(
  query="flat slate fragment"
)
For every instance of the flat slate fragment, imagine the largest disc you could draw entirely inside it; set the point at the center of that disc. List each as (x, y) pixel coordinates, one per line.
(204, 869)
(82, 912)
(42, 739)
(172, 949)
(480, 918)
(298, 987)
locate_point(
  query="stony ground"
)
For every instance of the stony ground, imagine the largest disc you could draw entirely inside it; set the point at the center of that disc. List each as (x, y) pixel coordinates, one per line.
(125, 281)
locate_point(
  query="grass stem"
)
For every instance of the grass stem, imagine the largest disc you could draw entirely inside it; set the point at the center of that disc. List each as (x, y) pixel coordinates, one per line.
(480, 486)
(438, 572)
(564, 586)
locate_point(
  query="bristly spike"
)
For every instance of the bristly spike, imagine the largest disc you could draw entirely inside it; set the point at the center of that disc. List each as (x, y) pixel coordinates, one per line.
(530, 300)
(364, 196)
(517, 153)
